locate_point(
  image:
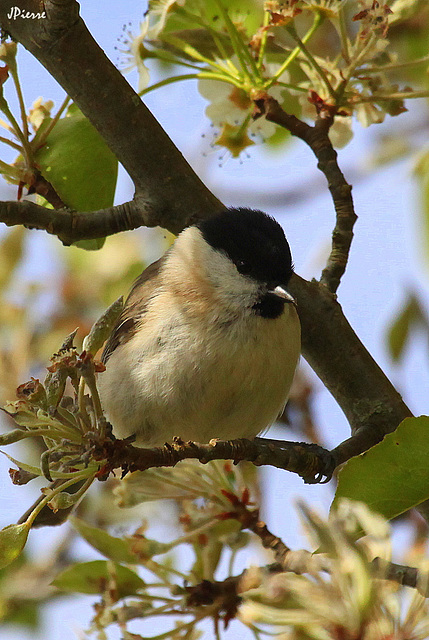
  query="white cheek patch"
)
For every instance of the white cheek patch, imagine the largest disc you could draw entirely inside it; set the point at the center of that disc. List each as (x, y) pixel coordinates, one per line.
(230, 288)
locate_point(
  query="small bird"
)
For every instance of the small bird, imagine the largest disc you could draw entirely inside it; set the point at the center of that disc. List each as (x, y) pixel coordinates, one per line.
(208, 341)
(209, 338)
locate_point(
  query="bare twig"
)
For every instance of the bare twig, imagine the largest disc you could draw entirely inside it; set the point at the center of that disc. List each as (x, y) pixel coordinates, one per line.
(367, 416)
(402, 574)
(44, 188)
(317, 139)
(226, 594)
(269, 540)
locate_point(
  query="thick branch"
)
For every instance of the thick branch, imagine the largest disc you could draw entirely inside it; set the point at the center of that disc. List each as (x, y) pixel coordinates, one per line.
(71, 226)
(369, 400)
(174, 195)
(317, 139)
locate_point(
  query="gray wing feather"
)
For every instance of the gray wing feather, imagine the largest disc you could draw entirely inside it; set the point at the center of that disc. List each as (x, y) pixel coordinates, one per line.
(135, 306)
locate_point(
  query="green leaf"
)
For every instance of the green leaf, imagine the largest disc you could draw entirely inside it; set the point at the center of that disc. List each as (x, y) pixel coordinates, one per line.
(92, 577)
(12, 541)
(393, 476)
(399, 331)
(129, 550)
(422, 173)
(12, 436)
(21, 414)
(114, 548)
(80, 166)
(13, 610)
(23, 465)
(246, 13)
(25, 614)
(102, 328)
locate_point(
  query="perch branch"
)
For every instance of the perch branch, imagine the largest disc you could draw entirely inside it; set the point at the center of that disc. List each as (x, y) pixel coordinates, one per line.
(310, 461)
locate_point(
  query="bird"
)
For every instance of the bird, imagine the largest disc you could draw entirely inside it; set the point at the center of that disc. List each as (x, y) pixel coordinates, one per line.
(209, 338)
(208, 341)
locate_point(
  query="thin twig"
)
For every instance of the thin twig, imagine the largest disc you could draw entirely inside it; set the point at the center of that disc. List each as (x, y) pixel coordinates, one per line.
(270, 541)
(317, 139)
(402, 574)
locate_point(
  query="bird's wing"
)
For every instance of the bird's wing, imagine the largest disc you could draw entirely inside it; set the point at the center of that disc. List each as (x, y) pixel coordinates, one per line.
(135, 306)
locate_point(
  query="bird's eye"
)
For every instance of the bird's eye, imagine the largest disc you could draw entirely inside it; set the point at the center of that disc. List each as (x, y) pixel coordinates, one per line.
(243, 267)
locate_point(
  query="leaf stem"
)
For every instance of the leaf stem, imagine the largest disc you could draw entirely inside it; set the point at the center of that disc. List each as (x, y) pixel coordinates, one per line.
(343, 35)
(311, 59)
(11, 143)
(262, 48)
(294, 54)
(81, 404)
(40, 140)
(52, 494)
(240, 48)
(189, 50)
(26, 148)
(393, 66)
(167, 81)
(207, 75)
(216, 35)
(404, 95)
(14, 73)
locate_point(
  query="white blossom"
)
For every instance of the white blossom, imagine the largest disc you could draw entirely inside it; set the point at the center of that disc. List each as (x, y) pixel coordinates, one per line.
(135, 53)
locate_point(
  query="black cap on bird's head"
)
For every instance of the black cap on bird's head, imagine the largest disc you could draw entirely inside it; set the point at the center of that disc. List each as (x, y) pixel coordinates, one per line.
(253, 241)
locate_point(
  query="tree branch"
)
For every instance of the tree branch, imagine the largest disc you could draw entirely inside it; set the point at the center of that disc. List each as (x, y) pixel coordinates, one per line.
(166, 185)
(70, 226)
(317, 139)
(402, 574)
(310, 461)
(227, 594)
(371, 409)
(331, 347)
